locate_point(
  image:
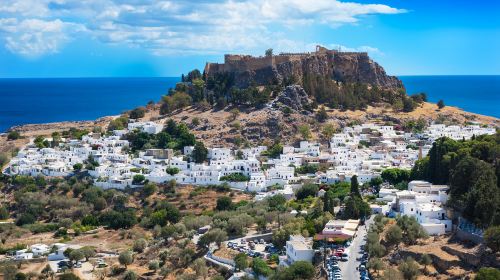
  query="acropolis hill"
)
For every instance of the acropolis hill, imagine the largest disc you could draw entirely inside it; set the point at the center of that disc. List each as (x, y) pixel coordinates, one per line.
(345, 67)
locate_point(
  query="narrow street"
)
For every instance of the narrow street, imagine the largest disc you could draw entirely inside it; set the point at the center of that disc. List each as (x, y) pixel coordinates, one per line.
(348, 268)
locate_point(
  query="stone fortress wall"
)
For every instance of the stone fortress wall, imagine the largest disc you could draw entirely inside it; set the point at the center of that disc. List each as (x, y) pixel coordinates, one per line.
(241, 63)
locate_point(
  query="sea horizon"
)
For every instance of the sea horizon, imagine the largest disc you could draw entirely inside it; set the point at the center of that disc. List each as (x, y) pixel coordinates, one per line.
(89, 98)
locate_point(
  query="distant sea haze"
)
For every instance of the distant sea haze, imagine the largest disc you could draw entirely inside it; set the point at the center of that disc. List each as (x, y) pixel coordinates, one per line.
(26, 101)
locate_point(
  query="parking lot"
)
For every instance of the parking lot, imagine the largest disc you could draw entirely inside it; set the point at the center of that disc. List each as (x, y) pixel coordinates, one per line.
(257, 247)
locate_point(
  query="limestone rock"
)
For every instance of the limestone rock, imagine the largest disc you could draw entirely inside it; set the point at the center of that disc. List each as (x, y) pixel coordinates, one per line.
(293, 96)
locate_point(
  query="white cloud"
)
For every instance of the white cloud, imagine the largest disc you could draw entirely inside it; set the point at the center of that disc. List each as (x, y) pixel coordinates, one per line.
(166, 27)
(34, 37)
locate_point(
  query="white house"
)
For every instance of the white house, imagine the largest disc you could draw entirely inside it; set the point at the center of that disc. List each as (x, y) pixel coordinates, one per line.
(39, 249)
(298, 248)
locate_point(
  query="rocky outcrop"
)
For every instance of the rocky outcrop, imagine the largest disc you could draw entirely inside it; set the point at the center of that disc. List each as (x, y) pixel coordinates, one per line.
(344, 67)
(294, 97)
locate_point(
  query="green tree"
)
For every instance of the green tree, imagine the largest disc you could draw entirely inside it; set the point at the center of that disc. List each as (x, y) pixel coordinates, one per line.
(138, 179)
(4, 213)
(355, 186)
(125, 258)
(200, 267)
(13, 135)
(395, 175)
(412, 230)
(149, 189)
(68, 276)
(392, 274)
(129, 275)
(76, 255)
(241, 261)
(425, 260)
(154, 265)
(305, 131)
(488, 273)
(440, 104)
(77, 166)
(199, 154)
(269, 52)
(276, 201)
(328, 131)
(322, 115)
(301, 270)
(260, 267)
(137, 113)
(492, 238)
(375, 264)
(409, 268)
(9, 271)
(274, 151)
(394, 235)
(234, 113)
(88, 252)
(329, 202)
(215, 235)
(307, 190)
(224, 203)
(140, 245)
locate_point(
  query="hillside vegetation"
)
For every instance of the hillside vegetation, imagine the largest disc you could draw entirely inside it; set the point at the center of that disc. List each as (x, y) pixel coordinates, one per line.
(471, 169)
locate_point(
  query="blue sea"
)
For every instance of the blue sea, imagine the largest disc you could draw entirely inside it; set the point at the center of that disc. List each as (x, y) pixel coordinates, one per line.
(477, 94)
(25, 101)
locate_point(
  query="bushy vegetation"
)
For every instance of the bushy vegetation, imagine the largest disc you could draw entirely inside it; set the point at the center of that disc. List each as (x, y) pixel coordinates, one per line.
(219, 90)
(174, 136)
(137, 113)
(118, 123)
(235, 177)
(471, 169)
(306, 169)
(355, 96)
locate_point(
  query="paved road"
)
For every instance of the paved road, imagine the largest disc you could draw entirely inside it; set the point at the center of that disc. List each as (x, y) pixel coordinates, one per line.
(348, 268)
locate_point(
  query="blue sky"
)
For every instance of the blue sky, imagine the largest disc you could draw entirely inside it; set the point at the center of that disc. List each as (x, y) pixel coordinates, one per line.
(106, 38)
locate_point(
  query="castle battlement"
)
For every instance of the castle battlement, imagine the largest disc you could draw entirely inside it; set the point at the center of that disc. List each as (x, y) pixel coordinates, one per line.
(242, 63)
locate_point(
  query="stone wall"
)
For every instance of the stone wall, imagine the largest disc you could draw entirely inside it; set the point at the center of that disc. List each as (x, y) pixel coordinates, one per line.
(345, 67)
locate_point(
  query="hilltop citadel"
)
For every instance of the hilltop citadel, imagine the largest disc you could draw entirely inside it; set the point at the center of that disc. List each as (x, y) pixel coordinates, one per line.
(349, 67)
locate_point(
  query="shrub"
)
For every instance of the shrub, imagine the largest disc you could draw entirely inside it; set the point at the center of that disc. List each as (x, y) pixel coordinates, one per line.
(241, 261)
(4, 213)
(125, 258)
(492, 238)
(129, 275)
(25, 219)
(139, 245)
(440, 104)
(260, 267)
(154, 265)
(409, 268)
(68, 276)
(235, 177)
(138, 179)
(77, 166)
(13, 135)
(172, 170)
(488, 273)
(306, 191)
(394, 235)
(224, 203)
(137, 113)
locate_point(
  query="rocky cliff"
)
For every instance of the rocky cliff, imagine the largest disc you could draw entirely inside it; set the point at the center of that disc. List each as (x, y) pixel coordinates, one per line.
(343, 67)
